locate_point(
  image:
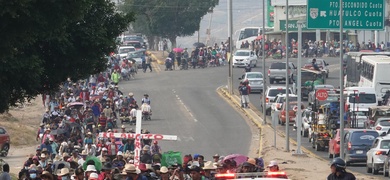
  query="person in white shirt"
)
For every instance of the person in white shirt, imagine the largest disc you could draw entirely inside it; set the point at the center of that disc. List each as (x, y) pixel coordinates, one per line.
(101, 88)
(145, 107)
(92, 81)
(71, 98)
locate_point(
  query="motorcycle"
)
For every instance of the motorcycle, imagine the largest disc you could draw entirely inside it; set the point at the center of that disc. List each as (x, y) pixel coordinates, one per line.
(184, 64)
(168, 64)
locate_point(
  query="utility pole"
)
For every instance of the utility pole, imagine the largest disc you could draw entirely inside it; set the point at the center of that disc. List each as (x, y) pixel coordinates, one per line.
(341, 85)
(230, 34)
(263, 68)
(287, 86)
(299, 88)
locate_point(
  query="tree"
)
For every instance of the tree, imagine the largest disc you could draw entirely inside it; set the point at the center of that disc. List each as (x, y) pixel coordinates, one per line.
(45, 42)
(171, 18)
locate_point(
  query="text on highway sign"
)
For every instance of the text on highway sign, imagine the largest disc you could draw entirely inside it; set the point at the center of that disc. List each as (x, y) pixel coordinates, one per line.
(357, 14)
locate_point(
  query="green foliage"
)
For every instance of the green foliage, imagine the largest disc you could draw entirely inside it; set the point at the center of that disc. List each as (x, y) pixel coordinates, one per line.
(168, 18)
(44, 42)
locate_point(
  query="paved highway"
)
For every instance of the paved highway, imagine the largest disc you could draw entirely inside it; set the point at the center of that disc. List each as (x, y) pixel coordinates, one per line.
(334, 79)
(185, 103)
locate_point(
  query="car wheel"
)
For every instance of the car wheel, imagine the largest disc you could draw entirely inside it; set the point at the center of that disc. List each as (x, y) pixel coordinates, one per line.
(374, 169)
(385, 172)
(368, 168)
(5, 150)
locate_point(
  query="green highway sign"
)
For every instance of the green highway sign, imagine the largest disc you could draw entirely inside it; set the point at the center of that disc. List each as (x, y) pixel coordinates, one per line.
(357, 14)
(292, 25)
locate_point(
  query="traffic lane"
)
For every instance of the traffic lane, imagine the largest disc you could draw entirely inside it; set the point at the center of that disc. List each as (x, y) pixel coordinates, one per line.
(211, 132)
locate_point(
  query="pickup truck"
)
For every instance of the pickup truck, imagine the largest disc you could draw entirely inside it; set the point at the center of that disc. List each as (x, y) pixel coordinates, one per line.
(277, 72)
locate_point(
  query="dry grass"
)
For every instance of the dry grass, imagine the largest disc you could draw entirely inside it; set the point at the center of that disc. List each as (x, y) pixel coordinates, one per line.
(22, 123)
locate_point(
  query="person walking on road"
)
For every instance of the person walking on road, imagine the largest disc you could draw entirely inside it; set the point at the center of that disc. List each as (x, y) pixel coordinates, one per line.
(147, 64)
(115, 77)
(244, 92)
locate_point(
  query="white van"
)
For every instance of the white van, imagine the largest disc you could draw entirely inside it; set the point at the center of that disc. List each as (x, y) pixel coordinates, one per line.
(360, 98)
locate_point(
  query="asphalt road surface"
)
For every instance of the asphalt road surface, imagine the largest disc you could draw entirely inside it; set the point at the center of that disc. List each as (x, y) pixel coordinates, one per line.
(334, 79)
(185, 103)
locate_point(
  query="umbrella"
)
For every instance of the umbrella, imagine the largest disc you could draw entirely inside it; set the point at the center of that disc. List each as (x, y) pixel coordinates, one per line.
(98, 163)
(177, 50)
(259, 37)
(239, 158)
(199, 44)
(76, 104)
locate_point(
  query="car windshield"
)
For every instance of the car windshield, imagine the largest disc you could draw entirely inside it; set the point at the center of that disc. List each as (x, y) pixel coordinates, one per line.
(290, 99)
(385, 144)
(135, 44)
(136, 54)
(363, 137)
(362, 98)
(278, 66)
(254, 75)
(274, 92)
(384, 122)
(241, 53)
(125, 50)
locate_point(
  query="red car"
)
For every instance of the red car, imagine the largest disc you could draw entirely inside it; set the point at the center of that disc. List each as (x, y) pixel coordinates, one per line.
(334, 144)
(4, 142)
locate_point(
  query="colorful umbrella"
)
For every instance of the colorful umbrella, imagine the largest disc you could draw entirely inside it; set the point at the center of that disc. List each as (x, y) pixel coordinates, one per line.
(177, 50)
(238, 158)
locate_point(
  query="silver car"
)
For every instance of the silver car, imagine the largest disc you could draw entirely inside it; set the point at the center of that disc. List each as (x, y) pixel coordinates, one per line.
(255, 80)
(270, 95)
(382, 125)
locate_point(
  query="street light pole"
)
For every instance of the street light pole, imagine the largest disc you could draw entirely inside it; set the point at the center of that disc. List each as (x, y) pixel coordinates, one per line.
(287, 86)
(299, 89)
(263, 68)
(230, 34)
(341, 84)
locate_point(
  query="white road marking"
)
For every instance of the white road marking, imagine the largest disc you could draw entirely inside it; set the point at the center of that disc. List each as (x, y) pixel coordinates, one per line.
(183, 105)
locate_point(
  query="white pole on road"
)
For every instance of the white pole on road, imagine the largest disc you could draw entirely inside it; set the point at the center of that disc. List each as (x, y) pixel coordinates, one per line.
(287, 124)
(263, 68)
(230, 34)
(299, 89)
(341, 85)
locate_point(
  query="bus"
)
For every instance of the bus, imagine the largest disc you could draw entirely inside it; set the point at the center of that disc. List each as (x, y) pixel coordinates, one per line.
(352, 62)
(249, 34)
(375, 73)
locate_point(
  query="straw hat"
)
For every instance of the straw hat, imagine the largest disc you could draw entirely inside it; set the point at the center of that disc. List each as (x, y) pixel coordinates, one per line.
(209, 166)
(130, 168)
(163, 169)
(251, 161)
(84, 153)
(63, 172)
(90, 168)
(93, 176)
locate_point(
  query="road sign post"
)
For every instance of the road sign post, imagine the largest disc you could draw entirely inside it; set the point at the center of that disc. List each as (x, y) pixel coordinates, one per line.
(357, 14)
(321, 94)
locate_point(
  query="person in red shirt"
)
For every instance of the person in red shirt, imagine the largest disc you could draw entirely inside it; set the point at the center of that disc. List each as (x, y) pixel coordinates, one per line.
(103, 120)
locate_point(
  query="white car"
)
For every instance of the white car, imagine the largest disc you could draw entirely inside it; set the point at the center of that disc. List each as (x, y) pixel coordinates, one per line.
(124, 50)
(382, 125)
(280, 99)
(270, 95)
(242, 58)
(255, 80)
(377, 154)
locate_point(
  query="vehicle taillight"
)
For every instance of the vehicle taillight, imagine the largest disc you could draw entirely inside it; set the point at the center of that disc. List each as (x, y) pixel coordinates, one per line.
(276, 175)
(349, 146)
(266, 100)
(378, 128)
(225, 176)
(380, 153)
(269, 72)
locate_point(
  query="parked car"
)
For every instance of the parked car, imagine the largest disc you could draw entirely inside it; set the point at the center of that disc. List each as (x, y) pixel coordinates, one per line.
(255, 80)
(382, 125)
(124, 50)
(291, 112)
(242, 58)
(320, 63)
(376, 155)
(334, 144)
(357, 142)
(277, 72)
(280, 99)
(270, 96)
(5, 141)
